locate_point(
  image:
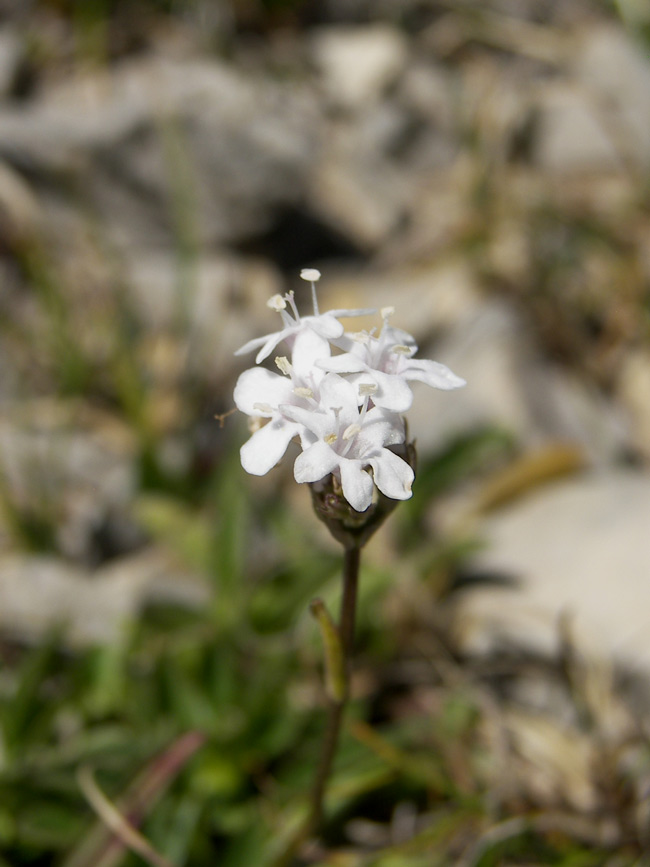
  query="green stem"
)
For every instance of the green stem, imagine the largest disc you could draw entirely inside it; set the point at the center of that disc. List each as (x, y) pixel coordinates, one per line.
(352, 559)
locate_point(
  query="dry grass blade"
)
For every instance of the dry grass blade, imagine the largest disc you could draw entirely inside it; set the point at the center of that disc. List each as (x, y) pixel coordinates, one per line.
(104, 846)
(118, 824)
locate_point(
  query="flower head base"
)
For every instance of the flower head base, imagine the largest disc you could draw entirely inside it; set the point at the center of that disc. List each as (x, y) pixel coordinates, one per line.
(344, 410)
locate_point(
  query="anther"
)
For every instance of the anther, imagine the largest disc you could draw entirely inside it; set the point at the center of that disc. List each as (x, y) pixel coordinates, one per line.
(351, 431)
(283, 364)
(299, 391)
(330, 439)
(277, 303)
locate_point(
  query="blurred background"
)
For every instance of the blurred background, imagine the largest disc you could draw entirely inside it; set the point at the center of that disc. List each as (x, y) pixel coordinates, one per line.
(165, 167)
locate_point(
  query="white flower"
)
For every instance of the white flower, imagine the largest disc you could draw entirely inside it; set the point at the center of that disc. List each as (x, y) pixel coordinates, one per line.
(342, 409)
(323, 326)
(387, 362)
(348, 442)
(260, 394)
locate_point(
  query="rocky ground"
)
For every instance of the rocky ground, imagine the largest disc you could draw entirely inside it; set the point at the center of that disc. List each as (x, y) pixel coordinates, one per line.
(483, 167)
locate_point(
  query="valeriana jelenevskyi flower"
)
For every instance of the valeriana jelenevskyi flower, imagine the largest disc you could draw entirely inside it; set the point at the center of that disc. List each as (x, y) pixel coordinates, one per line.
(343, 409)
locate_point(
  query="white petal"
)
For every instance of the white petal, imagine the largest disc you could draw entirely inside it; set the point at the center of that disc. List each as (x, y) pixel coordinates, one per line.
(393, 476)
(337, 393)
(346, 363)
(393, 392)
(308, 348)
(326, 325)
(272, 341)
(251, 345)
(260, 386)
(267, 446)
(432, 373)
(369, 311)
(381, 428)
(357, 484)
(319, 423)
(315, 463)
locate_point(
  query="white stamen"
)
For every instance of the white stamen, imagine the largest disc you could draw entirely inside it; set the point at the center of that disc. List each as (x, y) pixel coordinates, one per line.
(359, 336)
(276, 303)
(289, 297)
(400, 349)
(311, 275)
(351, 431)
(263, 407)
(330, 439)
(387, 312)
(367, 388)
(303, 392)
(284, 365)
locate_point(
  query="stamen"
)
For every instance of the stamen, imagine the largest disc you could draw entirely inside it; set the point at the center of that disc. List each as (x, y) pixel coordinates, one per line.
(284, 365)
(289, 297)
(368, 388)
(360, 336)
(299, 391)
(330, 439)
(312, 275)
(263, 407)
(387, 312)
(351, 431)
(400, 349)
(276, 303)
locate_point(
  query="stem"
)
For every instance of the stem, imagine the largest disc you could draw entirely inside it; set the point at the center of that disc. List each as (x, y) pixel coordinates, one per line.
(352, 559)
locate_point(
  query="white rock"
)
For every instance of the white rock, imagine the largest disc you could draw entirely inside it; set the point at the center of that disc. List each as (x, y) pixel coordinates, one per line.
(634, 393)
(357, 63)
(580, 549)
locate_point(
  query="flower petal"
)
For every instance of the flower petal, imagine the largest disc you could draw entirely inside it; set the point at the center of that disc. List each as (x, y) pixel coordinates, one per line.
(267, 446)
(315, 463)
(393, 392)
(432, 373)
(308, 348)
(346, 363)
(258, 386)
(357, 484)
(393, 476)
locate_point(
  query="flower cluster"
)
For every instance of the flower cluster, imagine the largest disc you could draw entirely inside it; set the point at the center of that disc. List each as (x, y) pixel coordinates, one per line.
(344, 408)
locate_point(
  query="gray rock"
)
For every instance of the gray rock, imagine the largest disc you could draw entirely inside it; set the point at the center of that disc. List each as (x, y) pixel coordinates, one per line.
(64, 475)
(578, 549)
(571, 134)
(38, 594)
(11, 55)
(510, 385)
(165, 142)
(616, 72)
